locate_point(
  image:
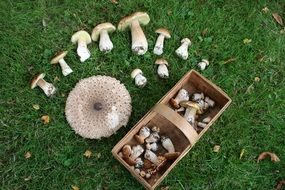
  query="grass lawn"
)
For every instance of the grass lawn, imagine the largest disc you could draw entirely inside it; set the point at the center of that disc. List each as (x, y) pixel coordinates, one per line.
(255, 120)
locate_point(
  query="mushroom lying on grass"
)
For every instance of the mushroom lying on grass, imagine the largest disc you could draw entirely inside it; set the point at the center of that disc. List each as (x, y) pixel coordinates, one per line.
(163, 33)
(82, 38)
(203, 64)
(59, 58)
(140, 80)
(162, 69)
(182, 51)
(102, 30)
(48, 88)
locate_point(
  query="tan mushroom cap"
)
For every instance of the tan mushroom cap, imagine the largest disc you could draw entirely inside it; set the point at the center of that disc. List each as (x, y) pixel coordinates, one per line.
(191, 104)
(36, 79)
(135, 72)
(164, 32)
(141, 17)
(98, 106)
(161, 61)
(58, 56)
(103, 26)
(81, 34)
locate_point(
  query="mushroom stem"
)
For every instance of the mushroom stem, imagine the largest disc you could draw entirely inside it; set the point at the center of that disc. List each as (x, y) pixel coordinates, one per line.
(162, 71)
(66, 70)
(48, 88)
(139, 42)
(105, 44)
(158, 48)
(140, 80)
(190, 114)
(82, 50)
(182, 51)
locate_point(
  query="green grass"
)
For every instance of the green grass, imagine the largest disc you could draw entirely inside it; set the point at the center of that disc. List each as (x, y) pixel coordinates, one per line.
(255, 121)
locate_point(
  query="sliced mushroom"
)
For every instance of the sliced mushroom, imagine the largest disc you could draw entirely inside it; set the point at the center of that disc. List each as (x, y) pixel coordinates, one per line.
(203, 64)
(48, 88)
(182, 95)
(163, 33)
(140, 80)
(82, 38)
(162, 69)
(167, 144)
(143, 134)
(182, 51)
(191, 109)
(59, 58)
(102, 30)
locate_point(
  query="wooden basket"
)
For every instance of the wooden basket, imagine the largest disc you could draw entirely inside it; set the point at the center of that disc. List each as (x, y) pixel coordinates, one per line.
(173, 125)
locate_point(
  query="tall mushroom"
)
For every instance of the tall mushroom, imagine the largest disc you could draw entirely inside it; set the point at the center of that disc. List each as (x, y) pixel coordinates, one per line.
(82, 38)
(139, 42)
(182, 51)
(163, 33)
(98, 106)
(192, 109)
(140, 80)
(48, 88)
(162, 69)
(59, 58)
(102, 30)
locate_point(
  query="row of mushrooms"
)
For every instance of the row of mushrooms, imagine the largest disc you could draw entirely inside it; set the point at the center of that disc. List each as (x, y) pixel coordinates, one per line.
(151, 152)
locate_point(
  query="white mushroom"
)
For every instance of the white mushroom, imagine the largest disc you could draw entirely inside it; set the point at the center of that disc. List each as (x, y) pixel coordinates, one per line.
(163, 33)
(136, 152)
(151, 156)
(182, 95)
(181, 109)
(197, 96)
(182, 51)
(202, 125)
(203, 64)
(207, 119)
(210, 102)
(155, 129)
(151, 146)
(153, 138)
(48, 88)
(139, 42)
(143, 134)
(140, 80)
(59, 58)
(167, 144)
(162, 69)
(191, 109)
(139, 163)
(82, 38)
(102, 30)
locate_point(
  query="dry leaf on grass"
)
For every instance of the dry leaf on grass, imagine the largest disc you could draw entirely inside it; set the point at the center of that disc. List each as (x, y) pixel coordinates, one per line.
(87, 153)
(256, 79)
(263, 155)
(56, 79)
(28, 178)
(165, 188)
(277, 18)
(229, 60)
(280, 184)
(45, 119)
(241, 153)
(28, 155)
(265, 10)
(74, 187)
(36, 106)
(216, 148)
(247, 41)
(114, 1)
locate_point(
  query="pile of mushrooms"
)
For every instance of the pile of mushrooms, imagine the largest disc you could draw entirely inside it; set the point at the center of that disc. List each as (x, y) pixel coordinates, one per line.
(151, 152)
(193, 108)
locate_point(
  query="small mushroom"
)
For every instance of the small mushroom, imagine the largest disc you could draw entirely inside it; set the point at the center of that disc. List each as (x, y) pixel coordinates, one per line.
(59, 58)
(140, 80)
(147, 175)
(143, 134)
(142, 173)
(182, 95)
(139, 163)
(203, 64)
(210, 101)
(163, 33)
(137, 170)
(172, 155)
(197, 96)
(162, 69)
(48, 88)
(127, 150)
(155, 129)
(136, 152)
(102, 30)
(153, 138)
(151, 146)
(191, 109)
(82, 38)
(207, 119)
(151, 156)
(182, 51)
(167, 144)
(201, 124)
(139, 42)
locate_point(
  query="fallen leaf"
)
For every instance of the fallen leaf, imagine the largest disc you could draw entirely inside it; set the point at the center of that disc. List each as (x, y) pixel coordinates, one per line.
(278, 18)
(87, 153)
(249, 89)
(56, 79)
(74, 187)
(247, 41)
(114, 1)
(216, 148)
(263, 155)
(241, 153)
(256, 79)
(28, 178)
(99, 155)
(265, 10)
(169, 12)
(45, 119)
(280, 184)
(204, 32)
(165, 188)
(28, 155)
(229, 60)
(36, 106)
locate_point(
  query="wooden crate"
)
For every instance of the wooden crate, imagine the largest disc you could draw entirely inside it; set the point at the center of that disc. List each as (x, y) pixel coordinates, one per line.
(173, 125)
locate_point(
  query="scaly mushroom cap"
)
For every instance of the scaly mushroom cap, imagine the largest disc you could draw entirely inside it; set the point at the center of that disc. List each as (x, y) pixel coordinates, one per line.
(161, 62)
(58, 56)
(164, 32)
(187, 40)
(191, 104)
(81, 35)
(135, 73)
(104, 26)
(141, 17)
(36, 79)
(98, 106)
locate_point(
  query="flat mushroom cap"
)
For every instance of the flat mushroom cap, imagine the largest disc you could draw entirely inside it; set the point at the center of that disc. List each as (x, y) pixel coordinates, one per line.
(164, 32)
(58, 56)
(191, 104)
(81, 34)
(187, 40)
(98, 106)
(161, 62)
(36, 79)
(141, 17)
(103, 26)
(135, 73)
(205, 61)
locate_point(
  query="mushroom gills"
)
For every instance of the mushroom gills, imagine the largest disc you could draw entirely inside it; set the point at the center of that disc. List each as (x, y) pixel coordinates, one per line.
(105, 43)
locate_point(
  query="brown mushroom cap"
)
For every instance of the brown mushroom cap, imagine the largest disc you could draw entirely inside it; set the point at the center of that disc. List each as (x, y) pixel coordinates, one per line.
(135, 72)
(191, 104)
(141, 17)
(161, 62)
(36, 79)
(103, 26)
(81, 35)
(164, 32)
(98, 106)
(58, 56)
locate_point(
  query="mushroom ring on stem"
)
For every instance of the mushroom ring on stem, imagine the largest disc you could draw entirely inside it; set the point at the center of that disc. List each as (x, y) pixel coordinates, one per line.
(192, 109)
(182, 51)
(162, 69)
(139, 42)
(102, 30)
(48, 88)
(163, 33)
(203, 64)
(182, 95)
(59, 58)
(82, 38)
(140, 80)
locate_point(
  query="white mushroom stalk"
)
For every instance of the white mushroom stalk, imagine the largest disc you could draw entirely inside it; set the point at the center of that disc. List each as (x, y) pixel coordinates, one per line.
(203, 64)
(136, 152)
(105, 44)
(102, 30)
(140, 80)
(182, 95)
(162, 69)
(192, 109)
(82, 38)
(151, 156)
(59, 58)
(48, 88)
(167, 144)
(210, 102)
(182, 51)
(163, 33)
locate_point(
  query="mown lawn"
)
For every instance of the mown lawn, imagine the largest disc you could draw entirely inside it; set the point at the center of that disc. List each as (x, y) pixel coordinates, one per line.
(255, 120)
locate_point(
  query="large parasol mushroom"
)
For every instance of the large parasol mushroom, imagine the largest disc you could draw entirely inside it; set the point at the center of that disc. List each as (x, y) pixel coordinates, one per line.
(98, 106)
